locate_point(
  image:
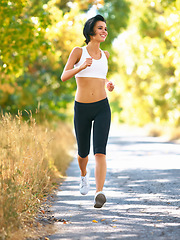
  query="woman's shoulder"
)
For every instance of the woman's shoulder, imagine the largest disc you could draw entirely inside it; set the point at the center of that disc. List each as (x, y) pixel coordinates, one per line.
(76, 53)
(106, 53)
(77, 50)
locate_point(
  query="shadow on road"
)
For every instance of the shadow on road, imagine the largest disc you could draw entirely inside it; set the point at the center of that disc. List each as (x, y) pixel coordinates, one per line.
(142, 188)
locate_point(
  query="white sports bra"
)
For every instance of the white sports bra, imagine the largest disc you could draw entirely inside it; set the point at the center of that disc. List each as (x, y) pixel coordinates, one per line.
(98, 68)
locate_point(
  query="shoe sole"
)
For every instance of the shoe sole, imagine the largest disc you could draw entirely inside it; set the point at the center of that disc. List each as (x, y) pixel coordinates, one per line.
(99, 200)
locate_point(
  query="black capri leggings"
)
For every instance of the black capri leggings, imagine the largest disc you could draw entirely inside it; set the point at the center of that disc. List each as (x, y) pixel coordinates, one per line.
(84, 115)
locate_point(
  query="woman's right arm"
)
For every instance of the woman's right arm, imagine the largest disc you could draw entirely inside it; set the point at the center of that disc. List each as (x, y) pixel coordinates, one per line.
(69, 70)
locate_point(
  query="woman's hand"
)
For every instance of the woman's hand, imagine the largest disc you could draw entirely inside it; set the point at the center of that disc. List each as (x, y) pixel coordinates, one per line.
(86, 64)
(110, 86)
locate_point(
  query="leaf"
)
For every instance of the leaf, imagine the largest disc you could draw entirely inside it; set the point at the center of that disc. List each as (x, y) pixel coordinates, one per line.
(94, 221)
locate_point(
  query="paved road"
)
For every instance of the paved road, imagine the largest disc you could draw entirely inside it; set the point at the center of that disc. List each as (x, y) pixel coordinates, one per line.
(142, 188)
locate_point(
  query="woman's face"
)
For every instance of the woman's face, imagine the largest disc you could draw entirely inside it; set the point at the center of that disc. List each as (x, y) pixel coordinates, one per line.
(100, 31)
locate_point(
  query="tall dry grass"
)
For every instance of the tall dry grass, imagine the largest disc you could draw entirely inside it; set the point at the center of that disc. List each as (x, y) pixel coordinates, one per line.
(171, 133)
(31, 156)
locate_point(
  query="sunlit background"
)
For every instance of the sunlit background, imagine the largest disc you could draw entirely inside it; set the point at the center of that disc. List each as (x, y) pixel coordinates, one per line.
(144, 46)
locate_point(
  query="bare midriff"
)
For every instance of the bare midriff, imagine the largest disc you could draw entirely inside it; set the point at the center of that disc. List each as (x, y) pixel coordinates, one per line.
(90, 89)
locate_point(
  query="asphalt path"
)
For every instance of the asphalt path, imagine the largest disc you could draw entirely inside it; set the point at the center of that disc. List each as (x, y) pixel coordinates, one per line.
(142, 188)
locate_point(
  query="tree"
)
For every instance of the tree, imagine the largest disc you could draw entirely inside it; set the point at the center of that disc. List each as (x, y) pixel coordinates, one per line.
(36, 39)
(149, 63)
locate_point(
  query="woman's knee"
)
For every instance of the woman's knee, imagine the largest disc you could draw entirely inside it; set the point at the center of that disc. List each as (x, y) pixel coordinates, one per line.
(99, 155)
(82, 157)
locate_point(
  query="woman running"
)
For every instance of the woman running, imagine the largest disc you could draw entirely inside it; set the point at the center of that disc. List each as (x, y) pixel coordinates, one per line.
(89, 65)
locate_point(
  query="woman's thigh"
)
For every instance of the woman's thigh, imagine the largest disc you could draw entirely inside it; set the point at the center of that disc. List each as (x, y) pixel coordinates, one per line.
(101, 129)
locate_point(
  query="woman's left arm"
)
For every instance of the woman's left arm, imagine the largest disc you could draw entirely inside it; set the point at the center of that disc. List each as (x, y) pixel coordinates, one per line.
(109, 84)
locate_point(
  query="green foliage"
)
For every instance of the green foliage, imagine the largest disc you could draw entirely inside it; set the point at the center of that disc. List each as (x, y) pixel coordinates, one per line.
(149, 64)
(23, 25)
(20, 37)
(116, 13)
(31, 57)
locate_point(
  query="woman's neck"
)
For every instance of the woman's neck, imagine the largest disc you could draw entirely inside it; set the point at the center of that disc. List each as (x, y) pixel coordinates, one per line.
(93, 46)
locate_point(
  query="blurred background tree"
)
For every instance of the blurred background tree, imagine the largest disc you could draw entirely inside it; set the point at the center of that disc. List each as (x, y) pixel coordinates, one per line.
(149, 58)
(34, 36)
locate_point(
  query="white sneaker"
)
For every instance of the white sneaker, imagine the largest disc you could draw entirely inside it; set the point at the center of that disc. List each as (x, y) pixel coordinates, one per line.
(84, 184)
(99, 199)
